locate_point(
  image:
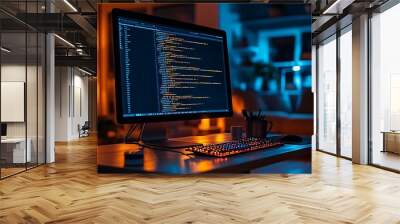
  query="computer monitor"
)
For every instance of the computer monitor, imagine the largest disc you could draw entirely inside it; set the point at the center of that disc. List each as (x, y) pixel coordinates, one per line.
(168, 70)
(3, 130)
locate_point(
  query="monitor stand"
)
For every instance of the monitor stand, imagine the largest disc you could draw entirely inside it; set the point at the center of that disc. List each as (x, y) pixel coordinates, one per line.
(153, 135)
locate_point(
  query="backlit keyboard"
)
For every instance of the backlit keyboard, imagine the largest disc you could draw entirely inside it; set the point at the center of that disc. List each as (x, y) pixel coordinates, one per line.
(235, 147)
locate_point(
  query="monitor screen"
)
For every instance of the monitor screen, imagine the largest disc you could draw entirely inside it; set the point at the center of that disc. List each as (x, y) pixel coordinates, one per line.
(169, 70)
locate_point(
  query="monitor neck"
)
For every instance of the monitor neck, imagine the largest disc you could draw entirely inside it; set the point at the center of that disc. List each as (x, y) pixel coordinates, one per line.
(143, 132)
(153, 135)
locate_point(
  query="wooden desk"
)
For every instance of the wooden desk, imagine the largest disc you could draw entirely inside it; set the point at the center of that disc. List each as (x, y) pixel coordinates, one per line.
(111, 158)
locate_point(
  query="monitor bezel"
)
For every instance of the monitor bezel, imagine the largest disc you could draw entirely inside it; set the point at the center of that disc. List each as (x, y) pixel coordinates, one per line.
(116, 13)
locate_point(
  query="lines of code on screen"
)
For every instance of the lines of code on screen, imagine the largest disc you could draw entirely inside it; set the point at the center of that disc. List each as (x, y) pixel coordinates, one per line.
(169, 71)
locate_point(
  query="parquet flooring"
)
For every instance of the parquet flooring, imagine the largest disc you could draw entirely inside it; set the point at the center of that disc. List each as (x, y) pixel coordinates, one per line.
(70, 191)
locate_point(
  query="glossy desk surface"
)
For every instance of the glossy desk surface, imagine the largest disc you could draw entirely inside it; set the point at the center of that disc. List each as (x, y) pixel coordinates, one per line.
(111, 158)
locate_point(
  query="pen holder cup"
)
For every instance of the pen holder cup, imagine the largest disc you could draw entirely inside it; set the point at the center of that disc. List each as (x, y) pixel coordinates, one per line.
(258, 128)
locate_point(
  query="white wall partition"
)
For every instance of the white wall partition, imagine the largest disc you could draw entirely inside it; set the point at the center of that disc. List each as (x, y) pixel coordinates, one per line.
(71, 102)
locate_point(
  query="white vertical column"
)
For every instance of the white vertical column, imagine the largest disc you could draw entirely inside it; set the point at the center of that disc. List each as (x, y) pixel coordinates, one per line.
(50, 98)
(50, 92)
(360, 90)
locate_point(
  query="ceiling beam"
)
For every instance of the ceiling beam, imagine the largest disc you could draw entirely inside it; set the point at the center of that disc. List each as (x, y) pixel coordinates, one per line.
(337, 7)
(85, 25)
(83, 61)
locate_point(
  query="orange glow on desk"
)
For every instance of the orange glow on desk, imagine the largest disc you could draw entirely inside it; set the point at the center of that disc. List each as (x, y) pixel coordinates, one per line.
(220, 138)
(221, 123)
(202, 140)
(207, 165)
(205, 124)
(210, 139)
(203, 166)
(150, 161)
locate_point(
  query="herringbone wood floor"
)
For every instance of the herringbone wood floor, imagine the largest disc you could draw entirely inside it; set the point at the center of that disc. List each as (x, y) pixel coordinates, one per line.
(70, 191)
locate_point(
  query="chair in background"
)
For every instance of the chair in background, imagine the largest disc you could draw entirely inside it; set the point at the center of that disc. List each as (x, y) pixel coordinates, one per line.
(84, 130)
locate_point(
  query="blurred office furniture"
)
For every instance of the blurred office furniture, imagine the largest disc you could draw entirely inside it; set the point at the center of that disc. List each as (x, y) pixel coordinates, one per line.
(13, 150)
(391, 141)
(84, 129)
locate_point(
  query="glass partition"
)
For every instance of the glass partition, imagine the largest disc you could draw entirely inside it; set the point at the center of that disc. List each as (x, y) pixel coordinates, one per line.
(22, 92)
(385, 89)
(327, 95)
(14, 145)
(346, 93)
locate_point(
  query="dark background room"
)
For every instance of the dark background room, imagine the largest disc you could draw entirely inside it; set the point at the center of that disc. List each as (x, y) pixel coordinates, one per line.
(270, 62)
